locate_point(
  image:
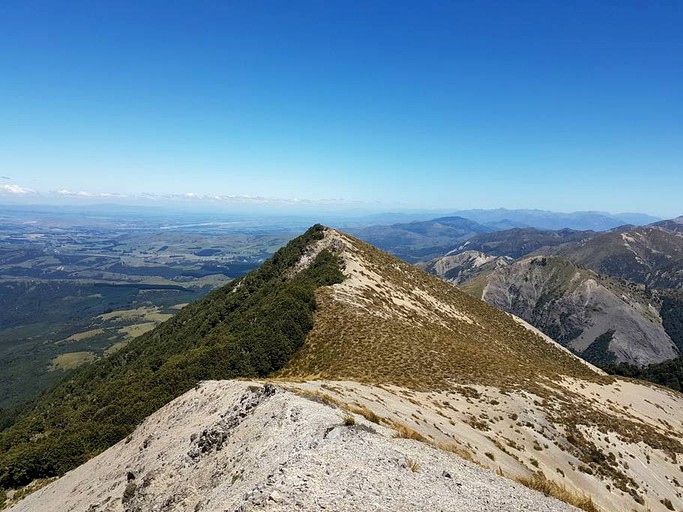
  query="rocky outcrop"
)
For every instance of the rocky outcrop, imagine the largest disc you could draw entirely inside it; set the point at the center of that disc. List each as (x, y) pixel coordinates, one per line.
(463, 266)
(264, 448)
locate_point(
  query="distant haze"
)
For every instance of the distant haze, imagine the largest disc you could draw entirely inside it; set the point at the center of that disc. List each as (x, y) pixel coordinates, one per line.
(295, 217)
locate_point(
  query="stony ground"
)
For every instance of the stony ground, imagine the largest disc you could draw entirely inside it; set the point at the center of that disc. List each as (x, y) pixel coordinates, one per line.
(240, 446)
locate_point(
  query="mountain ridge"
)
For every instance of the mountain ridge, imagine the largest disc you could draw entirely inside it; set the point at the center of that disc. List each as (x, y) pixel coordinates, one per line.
(263, 447)
(549, 220)
(650, 255)
(576, 307)
(404, 349)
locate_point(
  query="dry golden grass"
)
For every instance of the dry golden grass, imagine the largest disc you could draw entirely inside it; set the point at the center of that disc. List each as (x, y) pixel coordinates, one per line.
(145, 314)
(80, 336)
(375, 338)
(539, 482)
(413, 465)
(453, 448)
(135, 330)
(328, 400)
(667, 503)
(317, 396)
(348, 420)
(404, 432)
(116, 346)
(365, 412)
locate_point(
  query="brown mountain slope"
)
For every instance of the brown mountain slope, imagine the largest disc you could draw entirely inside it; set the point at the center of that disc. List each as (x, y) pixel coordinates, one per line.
(650, 255)
(601, 318)
(613, 316)
(378, 325)
(423, 355)
(517, 242)
(675, 225)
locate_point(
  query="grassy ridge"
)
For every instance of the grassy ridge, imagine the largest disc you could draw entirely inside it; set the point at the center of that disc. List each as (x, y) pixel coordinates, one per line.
(384, 342)
(249, 328)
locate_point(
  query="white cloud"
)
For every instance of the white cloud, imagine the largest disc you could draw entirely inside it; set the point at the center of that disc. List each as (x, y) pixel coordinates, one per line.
(111, 194)
(70, 193)
(15, 189)
(227, 200)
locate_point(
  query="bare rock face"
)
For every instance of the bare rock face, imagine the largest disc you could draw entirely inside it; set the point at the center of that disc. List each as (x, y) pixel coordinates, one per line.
(462, 266)
(599, 319)
(593, 292)
(213, 439)
(241, 446)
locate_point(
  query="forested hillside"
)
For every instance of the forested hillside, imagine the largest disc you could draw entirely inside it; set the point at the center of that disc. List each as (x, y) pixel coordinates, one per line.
(248, 328)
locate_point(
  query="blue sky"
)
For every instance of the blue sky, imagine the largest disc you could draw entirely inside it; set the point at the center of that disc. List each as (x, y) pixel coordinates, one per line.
(556, 105)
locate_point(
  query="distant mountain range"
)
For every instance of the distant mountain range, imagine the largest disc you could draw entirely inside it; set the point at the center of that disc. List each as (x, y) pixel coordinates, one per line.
(543, 219)
(649, 255)
(675, 225)
(517, 242)
(611, 296)
(422, 240)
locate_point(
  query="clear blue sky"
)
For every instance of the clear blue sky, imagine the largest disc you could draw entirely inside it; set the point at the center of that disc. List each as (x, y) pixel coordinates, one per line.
(556, 105)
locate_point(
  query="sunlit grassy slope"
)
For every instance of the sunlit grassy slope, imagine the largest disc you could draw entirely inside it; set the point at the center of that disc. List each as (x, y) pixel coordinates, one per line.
(391, 323)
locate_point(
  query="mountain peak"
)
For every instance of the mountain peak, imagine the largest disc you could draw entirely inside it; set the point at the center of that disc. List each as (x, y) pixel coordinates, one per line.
(387, 321)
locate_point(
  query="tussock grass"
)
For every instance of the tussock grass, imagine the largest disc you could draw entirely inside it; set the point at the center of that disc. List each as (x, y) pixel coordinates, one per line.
(405, 432)
(410, 329)
(539, 482)
(667, 503)
(348, 420)
(413, 465)
(366, 413)
(318, 396)
(454, 448)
